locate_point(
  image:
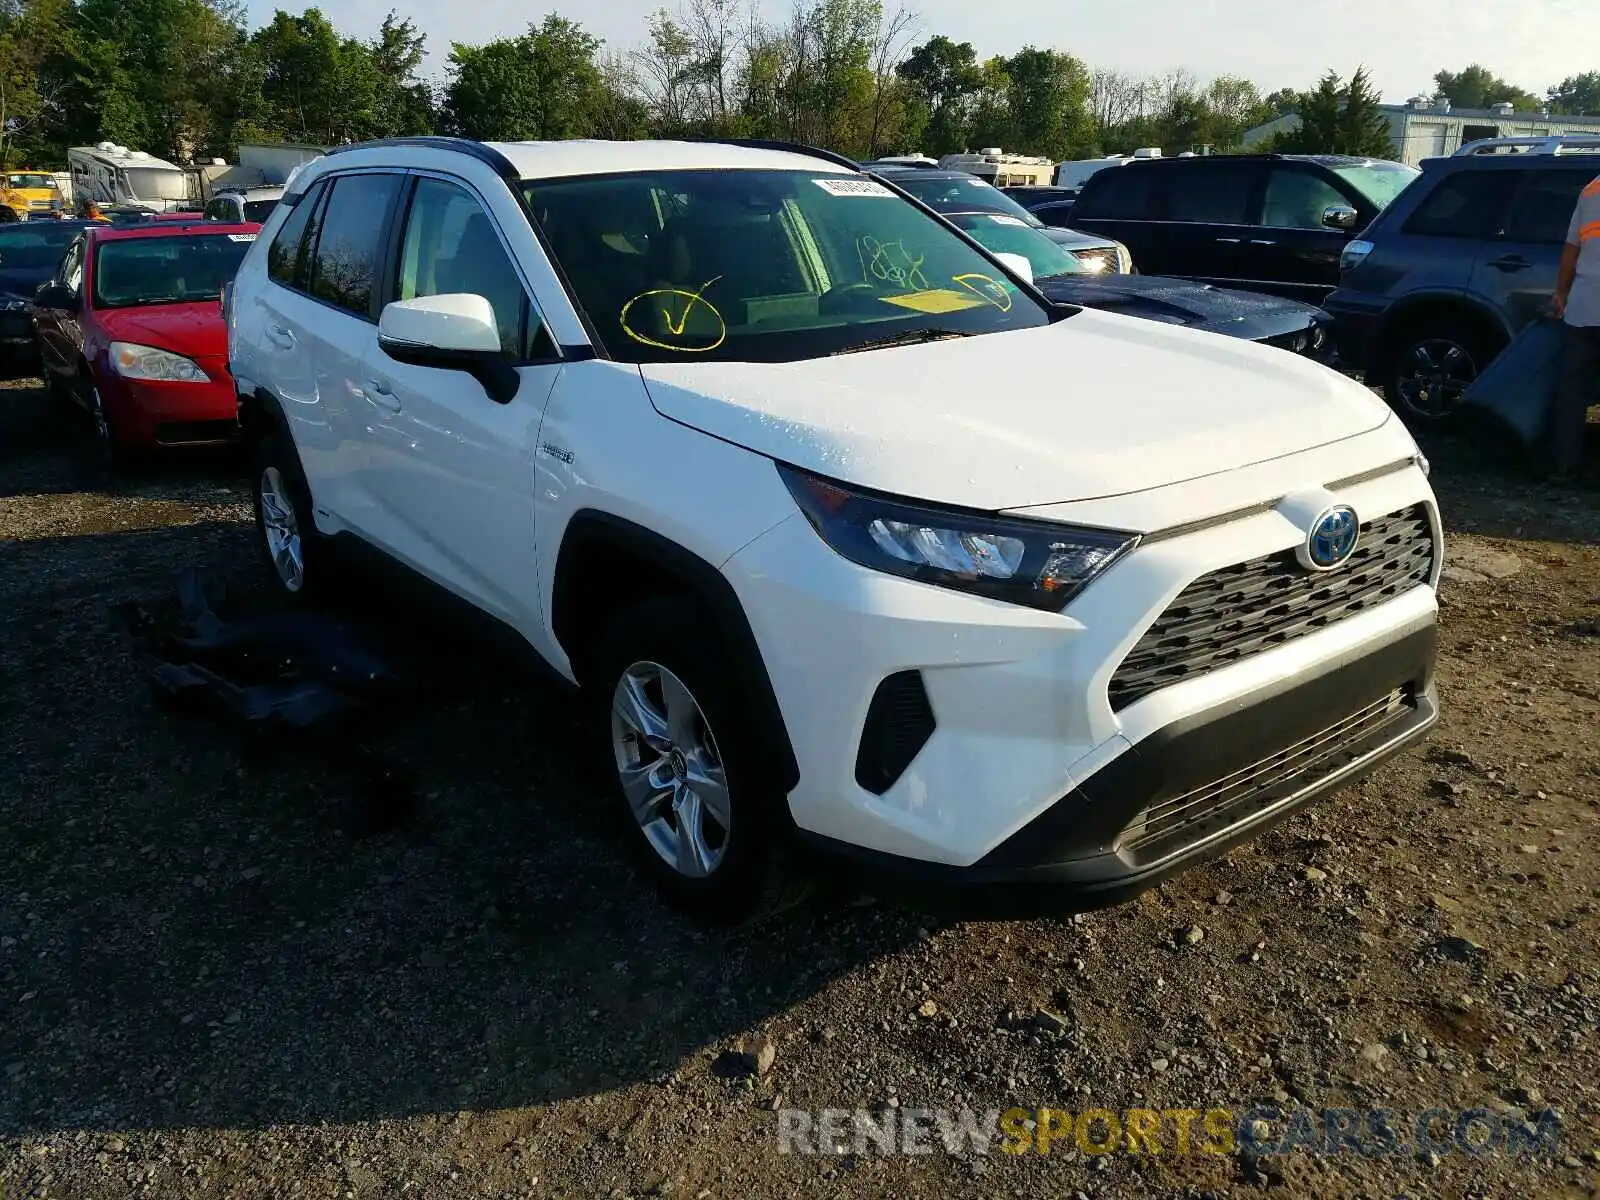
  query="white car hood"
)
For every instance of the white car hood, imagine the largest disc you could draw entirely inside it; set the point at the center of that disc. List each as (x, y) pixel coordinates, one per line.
(1095, 405)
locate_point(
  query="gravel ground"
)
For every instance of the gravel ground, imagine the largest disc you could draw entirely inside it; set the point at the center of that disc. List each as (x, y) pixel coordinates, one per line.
(228, 970)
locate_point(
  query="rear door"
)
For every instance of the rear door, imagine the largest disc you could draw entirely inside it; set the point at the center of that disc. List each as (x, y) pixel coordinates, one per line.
(1293, 253)
(1124, 203)
(1517, 270)
(320, 322)
(1439, 245)
(1209, 211)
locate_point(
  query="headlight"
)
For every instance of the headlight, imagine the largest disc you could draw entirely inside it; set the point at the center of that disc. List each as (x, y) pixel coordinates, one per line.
(1124, 259)
(1034, 563)
(146, 362)
(1355, 253)
(1319, 338)
(15, 304)
(1093, 261)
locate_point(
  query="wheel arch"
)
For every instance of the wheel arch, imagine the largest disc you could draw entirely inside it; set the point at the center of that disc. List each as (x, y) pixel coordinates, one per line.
(1431, 306)
(598, 549)
(260, 412)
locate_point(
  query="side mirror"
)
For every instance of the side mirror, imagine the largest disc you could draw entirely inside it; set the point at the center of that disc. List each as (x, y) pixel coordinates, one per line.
(56, 296)
(1017, 264)
(452, 332)
(1340, 216)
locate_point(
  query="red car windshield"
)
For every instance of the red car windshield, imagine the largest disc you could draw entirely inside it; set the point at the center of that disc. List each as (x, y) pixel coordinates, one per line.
(166, 270)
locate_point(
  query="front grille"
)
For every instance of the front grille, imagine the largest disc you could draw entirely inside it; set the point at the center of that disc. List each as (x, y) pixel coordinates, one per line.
(1106, 255)
(1238, 611)
(1212, 807)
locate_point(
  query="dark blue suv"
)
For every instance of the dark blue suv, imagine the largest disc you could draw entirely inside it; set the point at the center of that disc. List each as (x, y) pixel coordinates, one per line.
(1456, 266)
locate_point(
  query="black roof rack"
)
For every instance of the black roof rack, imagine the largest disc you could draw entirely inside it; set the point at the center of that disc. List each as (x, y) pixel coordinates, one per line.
(837, 160)
(484, 154)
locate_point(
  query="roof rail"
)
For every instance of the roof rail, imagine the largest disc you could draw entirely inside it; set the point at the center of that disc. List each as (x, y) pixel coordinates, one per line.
(837, 160)
(484, 154)
(1568, 143)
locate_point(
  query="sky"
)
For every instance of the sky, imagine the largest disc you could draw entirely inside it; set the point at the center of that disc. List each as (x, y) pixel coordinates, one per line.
(1275, 43)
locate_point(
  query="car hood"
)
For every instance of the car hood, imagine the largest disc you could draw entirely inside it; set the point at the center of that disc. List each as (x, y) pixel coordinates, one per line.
(193, 330)
(1071, 239)
(1095, 405)
(1180, 302)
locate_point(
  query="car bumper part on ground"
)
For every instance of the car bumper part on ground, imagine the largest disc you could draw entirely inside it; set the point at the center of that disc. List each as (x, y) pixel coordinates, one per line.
(1009, 763)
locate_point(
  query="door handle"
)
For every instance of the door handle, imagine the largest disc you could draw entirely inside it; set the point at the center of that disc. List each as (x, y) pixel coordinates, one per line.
(279, 336)
(1262, 242)
(381, 394)
(1511, 262)
(1230, 241)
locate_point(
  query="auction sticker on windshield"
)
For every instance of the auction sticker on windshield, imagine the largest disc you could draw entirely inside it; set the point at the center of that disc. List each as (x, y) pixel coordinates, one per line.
(241, 237)
(852, 187)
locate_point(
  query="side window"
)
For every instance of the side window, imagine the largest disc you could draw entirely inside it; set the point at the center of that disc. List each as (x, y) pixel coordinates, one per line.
(1120, 193)
(1208, 194)
(350, 243)
(1057, 215)
(1297, 199)
(450, 246)
(289, 256)
(1468, 204)
(1543, 207)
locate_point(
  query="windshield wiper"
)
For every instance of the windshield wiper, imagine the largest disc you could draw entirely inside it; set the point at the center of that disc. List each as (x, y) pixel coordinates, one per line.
(909, 337)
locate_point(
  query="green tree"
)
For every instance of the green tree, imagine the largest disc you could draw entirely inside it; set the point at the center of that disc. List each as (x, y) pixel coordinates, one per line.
(1047, 98)
(1363, 126)
(34, 74)
(403, 102)
(1478, 87)
(944, 77)
(1577, 95)
(544, 84)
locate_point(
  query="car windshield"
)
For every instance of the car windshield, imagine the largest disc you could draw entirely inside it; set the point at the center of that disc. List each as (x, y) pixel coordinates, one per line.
(963, 193)
(1378, 182)
(155, 183)
(1003, 234)
(760, 265)
(35, 246)
(29, 180)
(166, 270)
(257, 211)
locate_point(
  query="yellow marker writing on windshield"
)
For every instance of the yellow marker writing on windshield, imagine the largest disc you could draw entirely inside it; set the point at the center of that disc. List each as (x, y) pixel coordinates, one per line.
(675, 328)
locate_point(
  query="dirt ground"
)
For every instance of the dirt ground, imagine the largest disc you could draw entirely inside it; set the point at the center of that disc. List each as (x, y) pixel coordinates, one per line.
(221, 976)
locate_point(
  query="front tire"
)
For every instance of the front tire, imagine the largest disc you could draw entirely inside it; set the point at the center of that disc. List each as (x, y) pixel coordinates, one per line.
(285, 530)
(703, 813)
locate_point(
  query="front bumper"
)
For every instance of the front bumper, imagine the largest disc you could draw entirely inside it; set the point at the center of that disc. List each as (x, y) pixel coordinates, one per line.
(1005, 760)
(1189, 792)
(1356, 317)
(162, 414)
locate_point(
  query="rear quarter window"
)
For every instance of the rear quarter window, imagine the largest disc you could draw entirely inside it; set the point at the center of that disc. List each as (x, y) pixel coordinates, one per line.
(1543, 206)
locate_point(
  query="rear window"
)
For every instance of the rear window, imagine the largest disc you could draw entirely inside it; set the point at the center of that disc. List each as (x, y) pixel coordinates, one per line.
(1467, 204)
(257, 211)
(1119, 193)
(166, 270)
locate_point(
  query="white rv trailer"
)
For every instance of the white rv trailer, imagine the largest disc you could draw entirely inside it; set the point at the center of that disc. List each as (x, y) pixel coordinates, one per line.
(108, 174)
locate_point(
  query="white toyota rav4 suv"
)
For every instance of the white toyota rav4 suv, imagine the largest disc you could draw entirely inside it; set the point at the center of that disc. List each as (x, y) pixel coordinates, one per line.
(853, 543)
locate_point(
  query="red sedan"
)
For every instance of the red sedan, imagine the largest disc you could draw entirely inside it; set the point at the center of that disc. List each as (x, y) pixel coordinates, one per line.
(131, 329)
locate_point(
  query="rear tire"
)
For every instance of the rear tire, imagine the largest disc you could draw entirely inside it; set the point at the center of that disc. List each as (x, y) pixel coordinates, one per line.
(285, 530)
(704, 815)
(1429, 364)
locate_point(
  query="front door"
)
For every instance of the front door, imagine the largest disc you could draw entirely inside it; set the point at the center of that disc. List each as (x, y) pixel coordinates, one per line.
(450, 468)
(1210, 209)
(1517, 269)
(1293, 253)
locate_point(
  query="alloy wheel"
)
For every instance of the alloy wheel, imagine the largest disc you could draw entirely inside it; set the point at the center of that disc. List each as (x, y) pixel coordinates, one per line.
(1434, 375)
(281, 528)
(671, 771)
